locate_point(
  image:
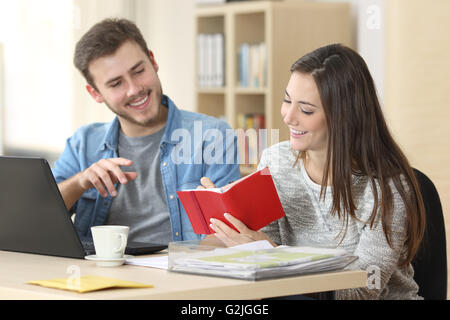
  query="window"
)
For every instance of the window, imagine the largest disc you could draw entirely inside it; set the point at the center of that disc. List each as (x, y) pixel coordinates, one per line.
(37, 44)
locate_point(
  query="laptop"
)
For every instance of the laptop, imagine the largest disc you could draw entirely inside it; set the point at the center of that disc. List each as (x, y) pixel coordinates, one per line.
(34, 218)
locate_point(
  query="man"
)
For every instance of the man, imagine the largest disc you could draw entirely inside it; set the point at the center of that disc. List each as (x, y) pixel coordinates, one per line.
(127, 172)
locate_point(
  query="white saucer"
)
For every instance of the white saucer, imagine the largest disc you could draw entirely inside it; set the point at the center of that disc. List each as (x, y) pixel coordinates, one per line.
(113, 262)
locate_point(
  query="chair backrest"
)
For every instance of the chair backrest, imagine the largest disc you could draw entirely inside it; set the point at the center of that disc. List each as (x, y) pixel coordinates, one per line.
(430, 263)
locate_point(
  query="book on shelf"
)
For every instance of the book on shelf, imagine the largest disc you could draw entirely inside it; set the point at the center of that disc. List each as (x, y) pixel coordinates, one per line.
(251, 137)
(253, 200)
(253, 65)
(255, 264)
(210, 60)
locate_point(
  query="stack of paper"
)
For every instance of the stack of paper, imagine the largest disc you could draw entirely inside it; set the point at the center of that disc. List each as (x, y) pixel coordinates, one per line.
(162, 262)
(261, 264)
(159, 262)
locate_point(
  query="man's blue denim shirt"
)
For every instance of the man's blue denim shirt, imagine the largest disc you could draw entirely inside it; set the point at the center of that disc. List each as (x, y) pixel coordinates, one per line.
(189, 139)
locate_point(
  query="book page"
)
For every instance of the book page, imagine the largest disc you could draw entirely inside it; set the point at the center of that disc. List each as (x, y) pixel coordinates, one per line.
(218, 190)
(226, 187)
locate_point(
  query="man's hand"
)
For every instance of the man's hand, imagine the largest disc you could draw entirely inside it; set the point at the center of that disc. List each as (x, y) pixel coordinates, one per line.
(105, 174)
(102, 175)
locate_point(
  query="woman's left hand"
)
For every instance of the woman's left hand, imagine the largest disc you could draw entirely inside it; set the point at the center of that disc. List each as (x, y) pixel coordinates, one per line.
(230, 237)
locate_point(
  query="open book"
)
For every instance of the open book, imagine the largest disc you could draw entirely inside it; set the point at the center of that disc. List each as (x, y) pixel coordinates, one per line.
(252, 199)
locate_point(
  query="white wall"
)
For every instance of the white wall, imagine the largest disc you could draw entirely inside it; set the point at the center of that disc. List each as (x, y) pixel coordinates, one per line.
(371, 39)
(168, 26)
(418, 89)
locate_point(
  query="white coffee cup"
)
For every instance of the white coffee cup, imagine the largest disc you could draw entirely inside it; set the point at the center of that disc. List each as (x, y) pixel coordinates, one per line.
(110, 241)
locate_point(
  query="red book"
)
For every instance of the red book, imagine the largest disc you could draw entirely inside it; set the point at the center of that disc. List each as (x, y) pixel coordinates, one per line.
(252, 199)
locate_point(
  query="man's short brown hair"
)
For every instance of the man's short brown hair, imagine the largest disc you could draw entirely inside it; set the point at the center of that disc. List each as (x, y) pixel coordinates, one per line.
(103, 39)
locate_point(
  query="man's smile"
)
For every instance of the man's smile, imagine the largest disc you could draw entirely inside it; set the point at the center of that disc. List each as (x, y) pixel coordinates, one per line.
(140, 103)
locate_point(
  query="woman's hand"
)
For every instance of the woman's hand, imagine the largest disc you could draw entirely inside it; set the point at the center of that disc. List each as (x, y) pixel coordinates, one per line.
(226, 234)
(230, 237)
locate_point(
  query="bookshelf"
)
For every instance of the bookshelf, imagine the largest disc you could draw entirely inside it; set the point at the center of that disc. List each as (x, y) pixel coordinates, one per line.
(287, 30)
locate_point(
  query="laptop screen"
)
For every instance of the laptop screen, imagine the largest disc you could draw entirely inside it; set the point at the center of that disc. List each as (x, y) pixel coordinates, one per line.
(33, 216)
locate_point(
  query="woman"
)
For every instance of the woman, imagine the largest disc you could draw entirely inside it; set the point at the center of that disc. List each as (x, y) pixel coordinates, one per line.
(342, 180)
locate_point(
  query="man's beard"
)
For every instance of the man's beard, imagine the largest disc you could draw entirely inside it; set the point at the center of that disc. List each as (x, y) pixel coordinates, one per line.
(145, 123)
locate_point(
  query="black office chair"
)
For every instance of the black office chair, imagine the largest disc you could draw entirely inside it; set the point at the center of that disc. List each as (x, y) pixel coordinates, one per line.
(430, 263)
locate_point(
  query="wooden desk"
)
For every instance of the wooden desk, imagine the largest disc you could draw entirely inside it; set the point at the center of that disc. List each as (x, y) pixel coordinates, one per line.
(18, 268)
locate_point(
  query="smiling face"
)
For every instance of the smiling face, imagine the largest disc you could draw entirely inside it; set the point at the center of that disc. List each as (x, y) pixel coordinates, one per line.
(303, 113)
(127, 82)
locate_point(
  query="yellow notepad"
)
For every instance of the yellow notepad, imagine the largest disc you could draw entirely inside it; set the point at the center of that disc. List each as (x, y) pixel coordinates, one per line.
(88, 284)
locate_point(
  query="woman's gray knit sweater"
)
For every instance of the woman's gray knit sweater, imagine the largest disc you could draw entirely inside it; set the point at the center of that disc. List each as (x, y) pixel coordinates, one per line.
(308, 221)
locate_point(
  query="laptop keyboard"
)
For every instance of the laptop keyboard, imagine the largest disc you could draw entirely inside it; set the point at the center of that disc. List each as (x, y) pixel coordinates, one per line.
(88, 247)
(133, 248)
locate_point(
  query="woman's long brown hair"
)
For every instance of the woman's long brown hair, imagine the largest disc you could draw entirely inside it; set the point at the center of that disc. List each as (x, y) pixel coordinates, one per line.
(360, 143)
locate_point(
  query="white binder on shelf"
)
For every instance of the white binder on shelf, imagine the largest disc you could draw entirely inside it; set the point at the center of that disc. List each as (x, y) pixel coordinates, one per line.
(201, 60)
(220, 60)
(211, 60)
